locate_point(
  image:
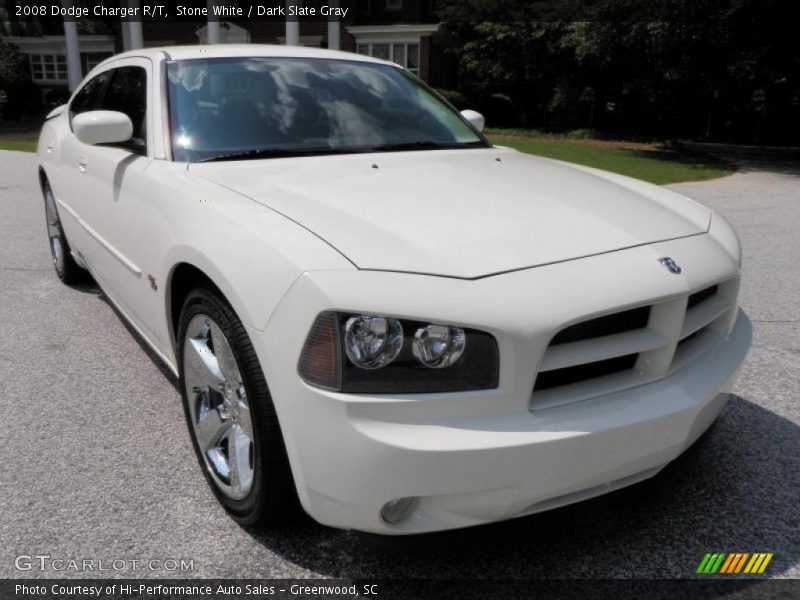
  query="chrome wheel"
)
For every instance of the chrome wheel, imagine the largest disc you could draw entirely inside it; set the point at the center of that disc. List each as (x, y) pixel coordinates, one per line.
(54, 231)
(218, 407)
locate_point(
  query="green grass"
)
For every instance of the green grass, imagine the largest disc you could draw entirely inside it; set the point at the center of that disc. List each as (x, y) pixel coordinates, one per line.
(18, 145)
(658, 166)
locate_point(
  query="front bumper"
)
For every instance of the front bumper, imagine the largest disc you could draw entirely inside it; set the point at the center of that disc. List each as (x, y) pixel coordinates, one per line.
(477, 457)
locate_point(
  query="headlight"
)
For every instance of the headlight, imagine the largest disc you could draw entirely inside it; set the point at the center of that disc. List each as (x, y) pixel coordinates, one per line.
(372, 342)
(438, 346)
(370, 354)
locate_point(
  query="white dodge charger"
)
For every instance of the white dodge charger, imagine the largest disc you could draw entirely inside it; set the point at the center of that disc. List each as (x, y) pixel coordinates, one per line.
(374, 312)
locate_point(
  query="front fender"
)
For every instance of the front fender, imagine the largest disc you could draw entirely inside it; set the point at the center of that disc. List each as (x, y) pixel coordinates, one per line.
(250, 252)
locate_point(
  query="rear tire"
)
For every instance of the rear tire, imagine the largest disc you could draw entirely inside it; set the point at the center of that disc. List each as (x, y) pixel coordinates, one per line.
(230, 414)
(68, 271)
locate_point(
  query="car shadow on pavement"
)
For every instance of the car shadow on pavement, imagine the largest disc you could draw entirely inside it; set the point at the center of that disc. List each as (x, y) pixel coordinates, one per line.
(154, 358)
(735, 490)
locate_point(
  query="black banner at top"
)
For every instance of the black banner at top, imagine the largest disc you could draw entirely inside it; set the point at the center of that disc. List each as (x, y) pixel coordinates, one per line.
(397, 11)
(192, 10)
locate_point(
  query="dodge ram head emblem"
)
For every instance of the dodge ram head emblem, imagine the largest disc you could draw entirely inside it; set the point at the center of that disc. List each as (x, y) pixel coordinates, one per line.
(671, 265)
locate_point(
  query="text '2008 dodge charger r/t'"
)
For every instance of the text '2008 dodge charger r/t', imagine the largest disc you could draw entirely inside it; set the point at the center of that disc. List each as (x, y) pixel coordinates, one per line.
(373, 310)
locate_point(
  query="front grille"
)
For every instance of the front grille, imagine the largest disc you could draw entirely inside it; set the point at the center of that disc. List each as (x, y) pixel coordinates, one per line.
(601, 326)
(638, 345)
(600, 368)
(690, 337)
(701, 296)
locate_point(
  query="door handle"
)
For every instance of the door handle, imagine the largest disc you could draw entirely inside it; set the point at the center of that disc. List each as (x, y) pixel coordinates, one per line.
(82, 164)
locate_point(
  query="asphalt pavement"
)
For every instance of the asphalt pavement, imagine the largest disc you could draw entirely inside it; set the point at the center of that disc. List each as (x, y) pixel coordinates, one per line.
(96, 460)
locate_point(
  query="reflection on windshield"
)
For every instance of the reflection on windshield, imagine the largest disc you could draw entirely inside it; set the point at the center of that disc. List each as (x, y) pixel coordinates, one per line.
(250, 107)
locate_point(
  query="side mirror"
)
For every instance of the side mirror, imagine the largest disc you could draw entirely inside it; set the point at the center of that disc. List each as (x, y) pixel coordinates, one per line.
(102, 127)
(475, 119)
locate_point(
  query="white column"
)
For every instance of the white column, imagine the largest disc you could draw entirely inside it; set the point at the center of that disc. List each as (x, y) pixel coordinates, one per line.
(334, 41)
(135, 29)
(212, 32)
(212, 28)
(292, 27)
(126, 36)
(137, 40)
(74, 74)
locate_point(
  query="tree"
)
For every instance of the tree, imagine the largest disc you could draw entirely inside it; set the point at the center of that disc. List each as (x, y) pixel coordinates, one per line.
(13, 66)
(708, 69)
(23, 97)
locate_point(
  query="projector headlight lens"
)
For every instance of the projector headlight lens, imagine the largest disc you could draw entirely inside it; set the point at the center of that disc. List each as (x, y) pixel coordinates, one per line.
(438, 346)
(372, 342)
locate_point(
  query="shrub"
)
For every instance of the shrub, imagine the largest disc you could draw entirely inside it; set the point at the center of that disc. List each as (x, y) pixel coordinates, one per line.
(55, 98)
(582, 134)
(24, 99)
(455, 98)
(501, 111)
(22, 95)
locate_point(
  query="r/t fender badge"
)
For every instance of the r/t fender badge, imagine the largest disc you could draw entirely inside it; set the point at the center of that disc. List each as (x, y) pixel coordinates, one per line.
(152, 281)
(670, 265)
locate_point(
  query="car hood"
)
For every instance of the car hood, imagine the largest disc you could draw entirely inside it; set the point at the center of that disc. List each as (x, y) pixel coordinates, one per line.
(460, 213)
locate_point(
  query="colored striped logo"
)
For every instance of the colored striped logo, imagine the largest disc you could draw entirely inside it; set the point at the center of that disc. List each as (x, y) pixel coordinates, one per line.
(734, 562)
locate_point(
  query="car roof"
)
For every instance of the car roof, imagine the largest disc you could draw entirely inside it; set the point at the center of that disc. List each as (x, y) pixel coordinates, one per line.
(241, 50)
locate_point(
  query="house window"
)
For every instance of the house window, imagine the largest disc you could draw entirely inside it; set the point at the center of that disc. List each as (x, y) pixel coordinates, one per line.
(92, 59)
(405, 55)
(48, 67)
(394, 4)
(412, 58)
(399, 54)
(380, 51)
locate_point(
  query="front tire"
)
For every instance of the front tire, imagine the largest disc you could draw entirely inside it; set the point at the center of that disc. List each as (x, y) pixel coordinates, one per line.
(230, 413)
(67, 269)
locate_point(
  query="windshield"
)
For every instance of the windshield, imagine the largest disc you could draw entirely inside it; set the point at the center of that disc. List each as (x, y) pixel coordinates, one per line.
(239, 108)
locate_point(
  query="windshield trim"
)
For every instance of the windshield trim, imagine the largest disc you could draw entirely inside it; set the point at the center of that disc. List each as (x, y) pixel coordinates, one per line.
(482, 142)
(277, 153)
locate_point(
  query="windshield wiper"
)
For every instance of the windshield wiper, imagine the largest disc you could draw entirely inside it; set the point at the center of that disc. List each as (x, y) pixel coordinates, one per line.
(424, 145)
(271, 153)
(286, 152)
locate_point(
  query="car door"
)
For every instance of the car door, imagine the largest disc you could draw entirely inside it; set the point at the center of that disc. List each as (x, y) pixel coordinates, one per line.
(68, 178)
(133, 222)
(111, 181)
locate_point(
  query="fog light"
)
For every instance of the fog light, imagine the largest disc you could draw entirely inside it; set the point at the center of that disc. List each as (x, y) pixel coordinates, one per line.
(438, 346)
(395, 511)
